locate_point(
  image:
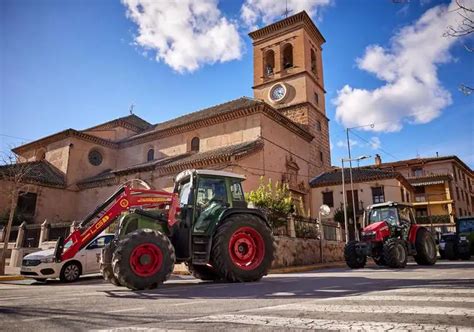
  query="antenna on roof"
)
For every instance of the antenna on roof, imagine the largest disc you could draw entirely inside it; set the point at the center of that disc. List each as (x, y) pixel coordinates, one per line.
(132, 106)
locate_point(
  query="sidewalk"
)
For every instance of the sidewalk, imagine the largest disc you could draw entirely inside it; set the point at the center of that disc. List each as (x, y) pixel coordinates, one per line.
(11, 274)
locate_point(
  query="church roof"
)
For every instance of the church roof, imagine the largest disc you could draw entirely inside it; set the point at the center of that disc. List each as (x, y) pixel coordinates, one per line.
(216, 114)
(37, 172)
(299, 19)
(132, 121)
(173, 164)
(334, 177)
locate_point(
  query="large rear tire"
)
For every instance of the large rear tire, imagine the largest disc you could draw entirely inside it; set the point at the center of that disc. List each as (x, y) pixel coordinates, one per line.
(353, 260)
(425, 248)
(106, 263)
(395, 253)
(242, 249)
(203, 272)
(143, 259)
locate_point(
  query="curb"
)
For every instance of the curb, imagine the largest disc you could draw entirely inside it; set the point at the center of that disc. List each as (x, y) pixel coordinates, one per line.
(290, 269)
(306, 268)
(11, 278)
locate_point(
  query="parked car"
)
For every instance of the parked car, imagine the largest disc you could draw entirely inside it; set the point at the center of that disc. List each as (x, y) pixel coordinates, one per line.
(42, 265)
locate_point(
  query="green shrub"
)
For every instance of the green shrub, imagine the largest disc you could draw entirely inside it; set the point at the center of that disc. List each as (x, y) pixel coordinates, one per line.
(274, 199)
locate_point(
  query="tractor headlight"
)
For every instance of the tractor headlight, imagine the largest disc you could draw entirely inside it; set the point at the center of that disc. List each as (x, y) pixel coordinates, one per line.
(47, 260)
(462, 238)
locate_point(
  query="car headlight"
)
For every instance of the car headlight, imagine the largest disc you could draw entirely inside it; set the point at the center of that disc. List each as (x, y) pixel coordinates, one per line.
(47, 260)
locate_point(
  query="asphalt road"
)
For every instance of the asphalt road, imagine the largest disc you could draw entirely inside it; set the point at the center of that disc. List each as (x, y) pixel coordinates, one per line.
(415, 298)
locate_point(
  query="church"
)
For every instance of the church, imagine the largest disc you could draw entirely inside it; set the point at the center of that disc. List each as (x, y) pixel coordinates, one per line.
(280, 133)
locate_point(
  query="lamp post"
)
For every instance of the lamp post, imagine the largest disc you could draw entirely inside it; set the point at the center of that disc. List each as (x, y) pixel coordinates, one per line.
(350, 160)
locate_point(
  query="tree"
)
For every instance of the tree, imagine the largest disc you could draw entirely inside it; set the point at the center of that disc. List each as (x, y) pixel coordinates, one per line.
(464, 28)
(13, 176)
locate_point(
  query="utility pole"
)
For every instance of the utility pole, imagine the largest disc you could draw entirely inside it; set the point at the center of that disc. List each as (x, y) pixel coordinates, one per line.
(356, 233)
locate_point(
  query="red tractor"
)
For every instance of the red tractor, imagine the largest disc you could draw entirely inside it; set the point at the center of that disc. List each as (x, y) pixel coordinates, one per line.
(391, 235)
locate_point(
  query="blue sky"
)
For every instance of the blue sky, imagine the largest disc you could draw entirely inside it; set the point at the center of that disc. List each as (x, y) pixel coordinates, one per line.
(74, 64)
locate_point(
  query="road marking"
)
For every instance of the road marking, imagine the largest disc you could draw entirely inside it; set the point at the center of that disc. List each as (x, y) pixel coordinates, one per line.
(393, 309)
(14, 298)
(403, 298)
(42, 318)
(124, 310)
(431, 290)
(187, 303)
(320, 324)
(333, 290)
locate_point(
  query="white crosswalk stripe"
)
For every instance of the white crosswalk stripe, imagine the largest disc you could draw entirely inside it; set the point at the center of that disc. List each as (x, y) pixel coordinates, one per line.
(324, 324)
(395, 305)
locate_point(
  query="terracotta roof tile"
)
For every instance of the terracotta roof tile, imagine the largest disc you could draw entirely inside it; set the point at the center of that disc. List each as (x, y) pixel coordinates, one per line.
(334, 177)
(41, 172)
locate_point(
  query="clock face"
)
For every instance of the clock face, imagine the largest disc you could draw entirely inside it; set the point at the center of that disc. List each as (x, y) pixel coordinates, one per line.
(277, 92)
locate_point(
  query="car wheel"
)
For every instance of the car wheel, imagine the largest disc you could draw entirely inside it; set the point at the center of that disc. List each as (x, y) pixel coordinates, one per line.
(70, 272)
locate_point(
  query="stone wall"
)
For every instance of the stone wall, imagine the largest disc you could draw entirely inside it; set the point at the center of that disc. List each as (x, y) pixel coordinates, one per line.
(297, 252)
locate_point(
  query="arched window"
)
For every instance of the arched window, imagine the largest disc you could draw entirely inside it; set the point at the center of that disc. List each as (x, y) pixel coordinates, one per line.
(314, 68)
(195, 144)
(269, 63)
(287, 56)
(150, 155)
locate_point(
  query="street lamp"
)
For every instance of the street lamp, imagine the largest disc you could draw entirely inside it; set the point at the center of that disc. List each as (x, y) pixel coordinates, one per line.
(350, 160)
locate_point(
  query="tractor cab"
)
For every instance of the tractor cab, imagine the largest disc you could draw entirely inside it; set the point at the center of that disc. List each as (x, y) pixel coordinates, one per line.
(459, 244)
(387, 219)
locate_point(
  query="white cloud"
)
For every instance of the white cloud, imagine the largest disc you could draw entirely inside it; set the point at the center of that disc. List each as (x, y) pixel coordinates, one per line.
(375, 143)
(408, 67)
(254, 12)
(343, 144)
(185, 34)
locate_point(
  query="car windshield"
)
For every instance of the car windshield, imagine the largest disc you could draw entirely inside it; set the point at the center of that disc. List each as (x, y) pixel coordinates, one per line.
(388, 214)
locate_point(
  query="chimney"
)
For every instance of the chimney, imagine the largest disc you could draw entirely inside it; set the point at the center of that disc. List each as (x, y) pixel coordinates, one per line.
(378, 160)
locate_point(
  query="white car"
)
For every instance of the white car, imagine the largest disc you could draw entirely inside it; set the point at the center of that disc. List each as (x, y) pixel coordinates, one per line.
(41, 265)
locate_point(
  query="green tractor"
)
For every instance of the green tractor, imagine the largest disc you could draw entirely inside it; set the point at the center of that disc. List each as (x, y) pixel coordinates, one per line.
(459, 244)
(205, 224)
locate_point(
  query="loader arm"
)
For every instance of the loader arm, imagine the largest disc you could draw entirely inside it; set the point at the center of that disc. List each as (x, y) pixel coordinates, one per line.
(122, 200)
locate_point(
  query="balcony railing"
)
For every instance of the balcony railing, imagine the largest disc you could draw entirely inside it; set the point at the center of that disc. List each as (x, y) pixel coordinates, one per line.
(422, 174)
(419, 198)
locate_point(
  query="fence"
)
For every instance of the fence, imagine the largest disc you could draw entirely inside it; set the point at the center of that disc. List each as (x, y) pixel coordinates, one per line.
(30, 237)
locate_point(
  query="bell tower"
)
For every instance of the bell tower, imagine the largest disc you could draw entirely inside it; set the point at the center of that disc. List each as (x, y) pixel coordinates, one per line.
(288, 75)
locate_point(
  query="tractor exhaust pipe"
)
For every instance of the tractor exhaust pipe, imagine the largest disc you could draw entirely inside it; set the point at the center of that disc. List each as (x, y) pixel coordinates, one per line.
(58, 249)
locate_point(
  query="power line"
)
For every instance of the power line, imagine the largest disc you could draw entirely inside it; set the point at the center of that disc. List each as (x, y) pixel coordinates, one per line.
(379, 149)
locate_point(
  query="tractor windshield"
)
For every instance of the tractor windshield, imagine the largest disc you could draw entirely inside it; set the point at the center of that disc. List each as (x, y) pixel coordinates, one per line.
(466, 225)
(388, 214)
(184, 189)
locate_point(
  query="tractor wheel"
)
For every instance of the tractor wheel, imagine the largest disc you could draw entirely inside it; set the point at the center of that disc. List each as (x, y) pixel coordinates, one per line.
(379, 260)
(353, 260)
(243, 248)
(425, 248)
(395, 253)
(106, 263)
(450, 251)
(143, 259)
(203, 272)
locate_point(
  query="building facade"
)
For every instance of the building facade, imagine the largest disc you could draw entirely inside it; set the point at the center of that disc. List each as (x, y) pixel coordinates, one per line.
(282, 133)
(371, 186)
(443, 186)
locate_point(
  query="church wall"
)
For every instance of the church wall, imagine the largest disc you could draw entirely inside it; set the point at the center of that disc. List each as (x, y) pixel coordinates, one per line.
(56, 205)
(79, 166)
(211, 137)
